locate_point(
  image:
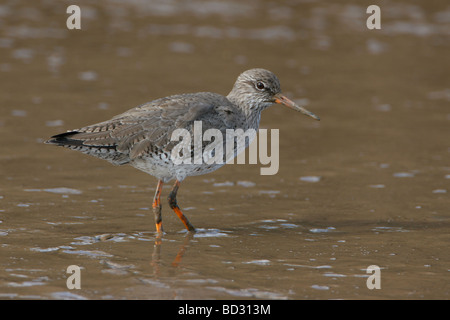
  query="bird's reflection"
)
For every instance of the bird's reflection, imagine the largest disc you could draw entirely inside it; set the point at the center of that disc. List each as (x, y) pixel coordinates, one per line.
(156, 256)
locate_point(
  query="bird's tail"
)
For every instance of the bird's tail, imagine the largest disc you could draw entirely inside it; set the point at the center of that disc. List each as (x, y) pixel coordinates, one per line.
(65, 140)
(76, 140)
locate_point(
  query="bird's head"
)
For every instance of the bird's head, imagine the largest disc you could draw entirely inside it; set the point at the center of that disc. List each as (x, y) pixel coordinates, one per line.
(259, 89)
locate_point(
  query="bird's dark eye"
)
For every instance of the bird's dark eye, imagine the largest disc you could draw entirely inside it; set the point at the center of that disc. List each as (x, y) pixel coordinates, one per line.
(260, 85)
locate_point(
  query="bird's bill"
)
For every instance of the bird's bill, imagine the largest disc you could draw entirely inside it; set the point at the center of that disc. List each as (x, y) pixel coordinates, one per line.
(280, 99)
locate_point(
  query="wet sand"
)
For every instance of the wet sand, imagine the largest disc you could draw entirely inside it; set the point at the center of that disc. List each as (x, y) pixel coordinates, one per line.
(367, 185)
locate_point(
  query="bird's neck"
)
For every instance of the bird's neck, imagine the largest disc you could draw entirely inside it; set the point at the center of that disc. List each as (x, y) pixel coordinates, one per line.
(250, 108)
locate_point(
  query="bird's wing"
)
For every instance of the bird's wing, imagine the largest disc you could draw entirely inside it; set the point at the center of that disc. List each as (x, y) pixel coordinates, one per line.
(147, 128)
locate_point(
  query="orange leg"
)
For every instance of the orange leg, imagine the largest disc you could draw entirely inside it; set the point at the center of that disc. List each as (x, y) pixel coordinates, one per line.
(157, 207)
(173, 204)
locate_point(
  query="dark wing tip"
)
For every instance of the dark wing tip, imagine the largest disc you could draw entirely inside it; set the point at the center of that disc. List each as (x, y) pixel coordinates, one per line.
(63, 139)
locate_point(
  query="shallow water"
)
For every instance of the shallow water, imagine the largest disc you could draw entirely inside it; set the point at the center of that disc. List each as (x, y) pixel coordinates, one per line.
(367, 185)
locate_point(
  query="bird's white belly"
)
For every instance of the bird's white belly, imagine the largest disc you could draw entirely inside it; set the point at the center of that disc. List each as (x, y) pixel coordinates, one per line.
(166, 170)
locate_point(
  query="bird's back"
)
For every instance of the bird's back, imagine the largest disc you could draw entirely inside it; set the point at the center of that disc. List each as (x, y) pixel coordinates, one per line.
(144, 133)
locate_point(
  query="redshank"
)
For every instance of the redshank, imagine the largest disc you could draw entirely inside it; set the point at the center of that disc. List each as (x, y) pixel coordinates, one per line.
(141, 137)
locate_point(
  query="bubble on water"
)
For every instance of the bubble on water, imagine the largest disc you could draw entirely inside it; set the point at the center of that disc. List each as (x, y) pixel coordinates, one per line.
(209, 233)
(250, 293)
(437, 95)
(115, 265)
(23, 205)
(63, 190)
(65, 295)
(383, 107)
(267, 227)
(103, 106)
(403, 175)
(334, 275)
(310, 178)
(246, 184)
(442, 16)
(25, 284)
(305, 266)
(420, 29)
(6, 42)
(440, 191)
(390, 229)
(224, 184)
(54, 123)
(270, 193)
(377, 186)
(55, 60)
(23, 54)
(5, 67)
(317, 287)
(89, 253)
(52, 249)
(88, 75)
(288, 225)
(124, 51)
(375, 47)
(262, 262)
(19, 113)
(240, 59)
(321, 42)
(181, 47)
(274, 220)
(201, 281)
(271, 33)
(104, 237)
(319, 230)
